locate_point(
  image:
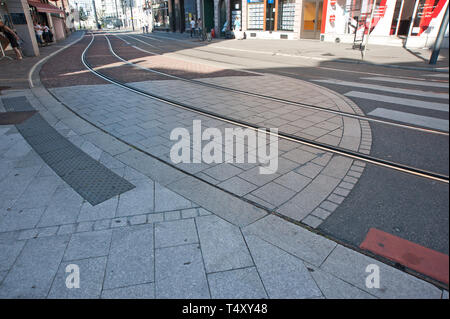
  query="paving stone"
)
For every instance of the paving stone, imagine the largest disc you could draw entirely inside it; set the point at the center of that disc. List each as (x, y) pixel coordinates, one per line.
(63, 208)
(236, 284)
(155, 218)
(91, 272)
(312, 221)
(137, 201)
(144, 291)
(341, 191)
(85, 226)
(336, 198)
(35, 268)
(102, 224)
(106, 209)
(28, 233)
(238, 186)
(321, 213)
(293, 181)
(299, 156)
(167, 200)
(180, 273)
(230, 208)
(222, 171)
(274, 193)
(137, 220)
(67, 229)
(174, 215)
(444, 294)
(223, 246)
(294, 239)
(119, 222)
(38, 193)
(329, 206)
(189, 213)
(131, 257)
(9, 251)
(309, 198)
(350, 266)
(203, 212)
(173, 233)
(253, 176)
(19, 219)
(47, 231)
(88, 244)
(283, 275)
(335, 288)
(310, 170)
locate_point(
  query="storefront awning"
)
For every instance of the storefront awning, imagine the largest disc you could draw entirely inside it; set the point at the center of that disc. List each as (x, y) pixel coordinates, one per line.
(45, 7)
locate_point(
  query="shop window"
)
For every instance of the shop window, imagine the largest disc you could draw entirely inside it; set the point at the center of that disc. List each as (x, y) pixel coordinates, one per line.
(255, 14)
(402, 17)
(286, 15)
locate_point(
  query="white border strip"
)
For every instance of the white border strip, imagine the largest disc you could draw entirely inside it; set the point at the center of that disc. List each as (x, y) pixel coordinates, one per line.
(30, 73)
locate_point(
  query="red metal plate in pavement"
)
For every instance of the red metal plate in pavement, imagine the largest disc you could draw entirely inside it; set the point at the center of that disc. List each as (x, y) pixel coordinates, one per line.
(8, 118)
(421, 259)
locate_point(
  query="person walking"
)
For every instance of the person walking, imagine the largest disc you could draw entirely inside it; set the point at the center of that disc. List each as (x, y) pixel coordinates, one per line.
(38, 31)
(192, 23)
(237, 28)
(13, 39)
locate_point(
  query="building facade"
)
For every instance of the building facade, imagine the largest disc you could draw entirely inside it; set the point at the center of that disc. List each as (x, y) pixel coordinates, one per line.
(413, 23)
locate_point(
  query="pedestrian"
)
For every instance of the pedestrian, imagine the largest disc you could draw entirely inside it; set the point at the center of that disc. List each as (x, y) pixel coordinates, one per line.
(237, 29)
(47, 34)
(199, 25)
(38, 31)
(192, 24)
(146, 28)
(13, 39)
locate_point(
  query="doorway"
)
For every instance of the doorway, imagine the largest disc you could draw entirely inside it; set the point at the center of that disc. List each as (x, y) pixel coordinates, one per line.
(312, 18)
(208, 11)
(270, 15)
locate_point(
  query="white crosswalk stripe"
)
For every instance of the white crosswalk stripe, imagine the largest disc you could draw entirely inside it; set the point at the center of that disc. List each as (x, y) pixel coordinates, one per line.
(404, 81)
(399, 100)
(410, 118)
(403, 101)
(386, 88)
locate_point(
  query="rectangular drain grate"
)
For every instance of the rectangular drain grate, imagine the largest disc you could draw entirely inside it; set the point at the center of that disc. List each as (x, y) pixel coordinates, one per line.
(92, 180)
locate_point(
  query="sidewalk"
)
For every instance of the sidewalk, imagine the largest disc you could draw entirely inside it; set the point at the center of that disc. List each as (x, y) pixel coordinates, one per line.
(151, 241)
(389, 56)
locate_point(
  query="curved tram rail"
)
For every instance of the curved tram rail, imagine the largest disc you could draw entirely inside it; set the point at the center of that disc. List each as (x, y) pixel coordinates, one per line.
(332, 149)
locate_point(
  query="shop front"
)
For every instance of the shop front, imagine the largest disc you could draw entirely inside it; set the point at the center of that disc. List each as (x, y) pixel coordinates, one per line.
(412, 23)
(272, 19)
(161, 17)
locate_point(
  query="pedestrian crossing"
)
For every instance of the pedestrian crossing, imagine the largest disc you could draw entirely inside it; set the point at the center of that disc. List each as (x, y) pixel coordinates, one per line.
(411, 97)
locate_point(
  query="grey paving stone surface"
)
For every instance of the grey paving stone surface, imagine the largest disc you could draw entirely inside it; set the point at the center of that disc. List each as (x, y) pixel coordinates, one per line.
(16, 219)
(180, 273)
(63, 209)
(294, 239)
(335, 288)
(137, 201)
(131, 257)
(144, 291)
(223, 246)
(88, 244)
(9, 250)
(33, 273)
(173, 233)
(351, 267)
(283, 275)
(237, 284)
(167, 200)
(91, 273)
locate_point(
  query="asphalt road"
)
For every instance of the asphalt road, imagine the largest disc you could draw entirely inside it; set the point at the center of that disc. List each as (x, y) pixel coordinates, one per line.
(407, 206)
